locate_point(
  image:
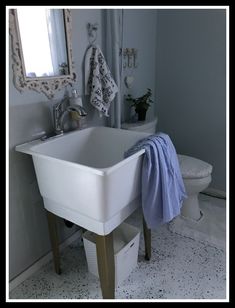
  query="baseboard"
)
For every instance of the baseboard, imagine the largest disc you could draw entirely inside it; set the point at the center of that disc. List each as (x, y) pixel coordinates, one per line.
(42, 261)
(215, 192)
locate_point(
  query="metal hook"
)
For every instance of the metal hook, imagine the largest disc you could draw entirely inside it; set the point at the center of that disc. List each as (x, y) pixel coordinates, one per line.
(129, 57)
(135, 52)
(92, 32)
(124, 54)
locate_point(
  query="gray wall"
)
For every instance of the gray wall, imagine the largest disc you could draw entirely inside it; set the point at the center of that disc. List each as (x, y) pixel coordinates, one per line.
(140, 32)
(30, 113)
(190, 87)
(190, 92)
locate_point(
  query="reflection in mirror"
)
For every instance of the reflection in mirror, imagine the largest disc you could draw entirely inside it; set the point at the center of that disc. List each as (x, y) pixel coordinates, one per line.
(44, 44)
(41, 49)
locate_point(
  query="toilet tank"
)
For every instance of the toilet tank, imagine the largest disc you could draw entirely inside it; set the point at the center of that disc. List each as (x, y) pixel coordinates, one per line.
(141, 126)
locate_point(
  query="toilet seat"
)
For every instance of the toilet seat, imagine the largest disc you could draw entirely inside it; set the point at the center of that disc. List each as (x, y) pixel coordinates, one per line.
(141, 126)
(193, 168)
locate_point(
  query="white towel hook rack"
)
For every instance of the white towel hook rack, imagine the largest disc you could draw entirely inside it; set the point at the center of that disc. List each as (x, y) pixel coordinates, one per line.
(92, 32)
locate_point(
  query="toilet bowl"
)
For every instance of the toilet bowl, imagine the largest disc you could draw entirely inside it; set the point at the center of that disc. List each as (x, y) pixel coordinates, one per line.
(196, 173)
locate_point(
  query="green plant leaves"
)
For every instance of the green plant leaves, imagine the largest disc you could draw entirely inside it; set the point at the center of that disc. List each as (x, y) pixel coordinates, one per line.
(142, 102)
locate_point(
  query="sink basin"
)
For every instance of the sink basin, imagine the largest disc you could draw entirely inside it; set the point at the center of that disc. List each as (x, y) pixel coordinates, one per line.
(84, 178)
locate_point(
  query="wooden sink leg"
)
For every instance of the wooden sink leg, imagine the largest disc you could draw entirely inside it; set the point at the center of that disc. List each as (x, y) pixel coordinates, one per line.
(51, 218)
(147, 240)
(106, 267)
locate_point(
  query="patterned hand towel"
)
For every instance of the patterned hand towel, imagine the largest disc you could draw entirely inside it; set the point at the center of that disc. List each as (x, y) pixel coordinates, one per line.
(99, 83)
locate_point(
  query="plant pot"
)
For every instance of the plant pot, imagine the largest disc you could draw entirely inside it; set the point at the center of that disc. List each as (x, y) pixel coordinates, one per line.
(141, 114)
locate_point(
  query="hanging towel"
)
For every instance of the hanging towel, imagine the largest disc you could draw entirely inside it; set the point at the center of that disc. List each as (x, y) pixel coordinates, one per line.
(162, 188)
(99, 83)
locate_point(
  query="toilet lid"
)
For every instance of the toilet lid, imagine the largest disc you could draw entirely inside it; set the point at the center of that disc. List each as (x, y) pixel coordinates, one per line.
(193, 168)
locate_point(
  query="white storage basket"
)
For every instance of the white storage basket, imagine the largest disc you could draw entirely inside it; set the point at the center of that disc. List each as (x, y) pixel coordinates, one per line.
(126, 246)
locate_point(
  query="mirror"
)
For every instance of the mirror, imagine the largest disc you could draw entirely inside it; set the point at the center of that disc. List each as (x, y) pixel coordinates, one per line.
(41, 49)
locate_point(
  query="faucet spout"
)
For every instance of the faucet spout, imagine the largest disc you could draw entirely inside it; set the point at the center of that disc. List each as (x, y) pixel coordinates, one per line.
(61, 109)
(78, 109)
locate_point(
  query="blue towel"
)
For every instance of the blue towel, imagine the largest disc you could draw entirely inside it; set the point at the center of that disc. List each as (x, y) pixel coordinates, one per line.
(163, 188)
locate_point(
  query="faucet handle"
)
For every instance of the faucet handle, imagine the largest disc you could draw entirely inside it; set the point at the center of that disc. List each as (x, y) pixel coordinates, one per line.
(57, 106)
(57, 112)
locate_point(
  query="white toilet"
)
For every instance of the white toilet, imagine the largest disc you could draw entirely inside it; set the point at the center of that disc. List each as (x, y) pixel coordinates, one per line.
(197, 177)
(196, 173)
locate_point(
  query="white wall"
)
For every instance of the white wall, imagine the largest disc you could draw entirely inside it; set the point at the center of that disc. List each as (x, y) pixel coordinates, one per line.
(190, 87)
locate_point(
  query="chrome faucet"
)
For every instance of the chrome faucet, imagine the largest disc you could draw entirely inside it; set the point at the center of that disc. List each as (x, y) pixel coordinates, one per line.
(60, 110)
(77, 108)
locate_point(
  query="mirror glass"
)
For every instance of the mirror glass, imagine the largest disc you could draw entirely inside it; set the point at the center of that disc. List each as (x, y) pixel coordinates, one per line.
(43, 42)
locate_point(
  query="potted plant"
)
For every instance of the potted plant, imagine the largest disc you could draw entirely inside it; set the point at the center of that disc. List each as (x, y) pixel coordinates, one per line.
(141, 104)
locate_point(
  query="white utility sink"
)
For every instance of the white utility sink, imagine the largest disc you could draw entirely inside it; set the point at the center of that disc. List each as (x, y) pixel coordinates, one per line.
(84, 178)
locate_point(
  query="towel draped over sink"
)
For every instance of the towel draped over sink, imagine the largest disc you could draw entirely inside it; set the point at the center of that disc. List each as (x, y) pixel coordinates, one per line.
(163, 189)
(99, 83)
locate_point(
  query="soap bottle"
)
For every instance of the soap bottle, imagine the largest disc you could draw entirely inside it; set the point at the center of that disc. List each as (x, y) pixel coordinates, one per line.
(76, 100)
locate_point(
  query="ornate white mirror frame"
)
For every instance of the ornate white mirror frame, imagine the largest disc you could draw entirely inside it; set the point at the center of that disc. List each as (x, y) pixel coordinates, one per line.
(46, 85)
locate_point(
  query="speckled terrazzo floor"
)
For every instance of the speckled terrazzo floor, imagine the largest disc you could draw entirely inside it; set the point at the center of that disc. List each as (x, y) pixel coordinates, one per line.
(180, 268)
